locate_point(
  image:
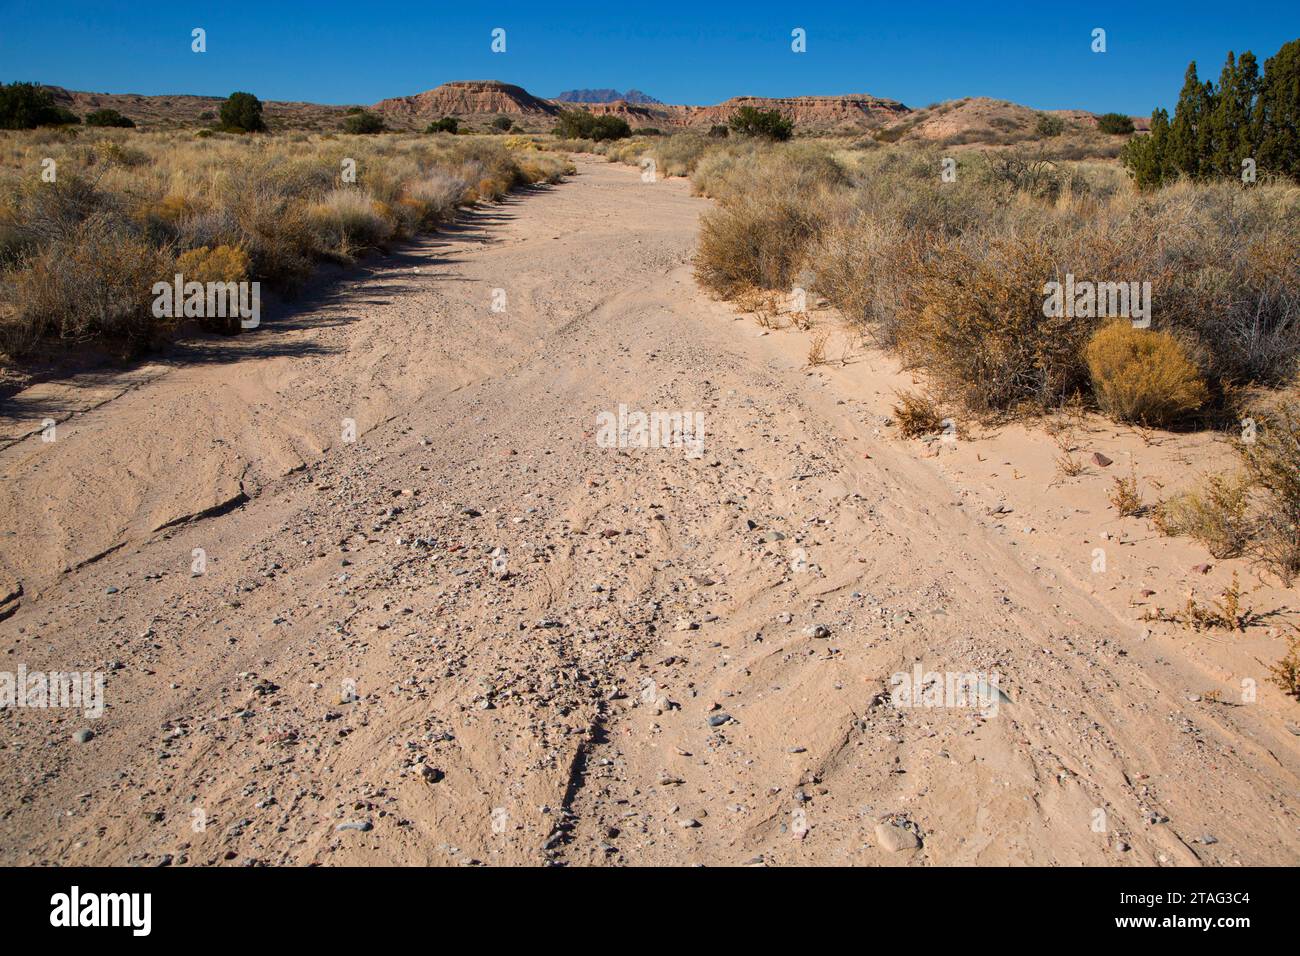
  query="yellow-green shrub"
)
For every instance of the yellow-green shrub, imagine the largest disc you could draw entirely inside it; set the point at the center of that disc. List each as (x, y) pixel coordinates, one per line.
(1140, 375)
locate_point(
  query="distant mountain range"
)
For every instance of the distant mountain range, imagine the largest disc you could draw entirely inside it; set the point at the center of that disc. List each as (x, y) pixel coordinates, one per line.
(606, 96)
(478, 102)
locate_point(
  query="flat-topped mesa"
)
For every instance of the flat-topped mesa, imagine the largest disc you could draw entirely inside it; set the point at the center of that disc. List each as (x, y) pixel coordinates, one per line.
(478, 98)
(468, 98)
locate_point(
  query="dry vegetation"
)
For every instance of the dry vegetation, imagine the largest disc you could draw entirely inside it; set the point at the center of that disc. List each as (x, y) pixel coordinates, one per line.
(950, 276)
(79, 255)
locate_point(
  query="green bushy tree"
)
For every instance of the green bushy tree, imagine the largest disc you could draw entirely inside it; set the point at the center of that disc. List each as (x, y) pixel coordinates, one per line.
(1215, 129)
(363, 124)
(579, 124)
(242, 113)
(1116, 124)
(750, 121)
(28, 105)
(108, 117)
(1277, 112)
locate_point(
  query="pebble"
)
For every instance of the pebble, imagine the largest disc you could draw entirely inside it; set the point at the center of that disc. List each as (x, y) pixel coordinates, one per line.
(717, 720)
(362, 825)
(894, 838)
(84, 736)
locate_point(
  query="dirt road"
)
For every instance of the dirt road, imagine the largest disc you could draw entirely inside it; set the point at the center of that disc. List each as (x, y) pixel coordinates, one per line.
(476, 633)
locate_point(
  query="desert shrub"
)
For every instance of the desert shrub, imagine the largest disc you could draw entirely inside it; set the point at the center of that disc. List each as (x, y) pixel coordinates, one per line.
(271, 197)
(762, 237)
(222, 264)
(502, 123)
(242, 113)
(857, 272)
(347, 222)
(1254, 511)
(1048, 125)
(363, 124)
(1272, 464)
(1141, 375)
(1014, 172)
(1285, 673)
(678, 155)
(1218, 517)
(1115, 124)
(916, 415)
(95, 281)
(1125, 498)
(719, 131)
(769, 124)
(438, 195)
(448, 124)
(972, 316)
(107, 117)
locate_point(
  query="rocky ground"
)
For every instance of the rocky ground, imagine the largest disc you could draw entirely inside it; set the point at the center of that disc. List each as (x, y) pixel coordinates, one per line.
(474, 634)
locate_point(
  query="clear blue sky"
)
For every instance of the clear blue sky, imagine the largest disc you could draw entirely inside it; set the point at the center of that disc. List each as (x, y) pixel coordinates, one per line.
(917, 51)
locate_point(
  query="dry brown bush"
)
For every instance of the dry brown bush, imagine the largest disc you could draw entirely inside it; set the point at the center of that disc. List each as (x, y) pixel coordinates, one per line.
(916, 415)
(974, 321)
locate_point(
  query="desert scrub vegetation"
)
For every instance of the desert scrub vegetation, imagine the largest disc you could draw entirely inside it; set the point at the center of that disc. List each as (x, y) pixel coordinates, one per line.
(1253, 511)
(952, 274)
(1143, 376)
(79, 254)
(761, 239)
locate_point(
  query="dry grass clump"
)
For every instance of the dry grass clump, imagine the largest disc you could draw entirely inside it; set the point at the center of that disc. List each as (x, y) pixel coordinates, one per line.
(94, 280)
(1272, 466)
(1218, 517)
(348, 221)
(760, 238)
(817, 348)
(1139, 375)
(916, 415)
(674, 155)
(1256, 511)
(79, 255)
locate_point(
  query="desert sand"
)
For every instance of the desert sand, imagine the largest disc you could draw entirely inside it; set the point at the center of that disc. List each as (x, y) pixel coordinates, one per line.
(474, 634)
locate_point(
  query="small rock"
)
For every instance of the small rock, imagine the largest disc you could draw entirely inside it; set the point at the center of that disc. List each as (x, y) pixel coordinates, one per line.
(361, 825)
(717, 720)
(84, 736)
(1099, 459)
(895, 838)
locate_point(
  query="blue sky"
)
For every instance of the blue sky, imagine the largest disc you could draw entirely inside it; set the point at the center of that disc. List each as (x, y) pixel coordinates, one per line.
(918, 52)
